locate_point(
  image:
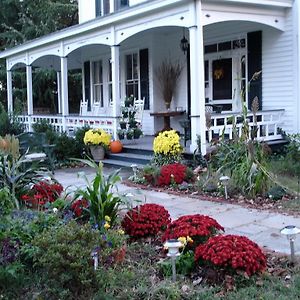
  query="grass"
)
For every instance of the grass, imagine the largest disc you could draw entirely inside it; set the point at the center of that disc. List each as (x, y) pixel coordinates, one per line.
(283, 169)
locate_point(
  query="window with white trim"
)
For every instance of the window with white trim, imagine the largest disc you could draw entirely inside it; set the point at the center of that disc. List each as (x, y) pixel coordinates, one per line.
(132, 75)
(98, 82)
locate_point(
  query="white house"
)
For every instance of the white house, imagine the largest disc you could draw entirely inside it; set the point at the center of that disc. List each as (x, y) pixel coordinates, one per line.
(119, 44)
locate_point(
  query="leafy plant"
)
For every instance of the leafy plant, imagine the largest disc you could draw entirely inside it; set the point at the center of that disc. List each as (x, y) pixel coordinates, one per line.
(6, 202)
(233, 252)
(9, 124)
(146, 220)
(99, 194)
(198, 227)
(16, 178)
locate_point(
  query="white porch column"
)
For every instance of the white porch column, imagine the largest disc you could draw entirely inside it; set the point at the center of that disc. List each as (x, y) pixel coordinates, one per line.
(29, 96)
(64, 91)
(58, 80)
(198, 123)
(111, 6)
(9, 91)
(115, 64)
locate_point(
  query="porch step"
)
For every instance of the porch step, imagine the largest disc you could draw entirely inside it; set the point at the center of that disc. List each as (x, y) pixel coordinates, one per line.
(119, 163)
(128, 157)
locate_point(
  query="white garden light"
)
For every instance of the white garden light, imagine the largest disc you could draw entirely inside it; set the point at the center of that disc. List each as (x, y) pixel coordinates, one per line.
(173, 251)
(291, 232)
(95, 258)
(225, 180)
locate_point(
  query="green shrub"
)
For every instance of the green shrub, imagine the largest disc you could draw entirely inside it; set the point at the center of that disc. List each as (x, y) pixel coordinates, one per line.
(47, 128)
(66, 148)
(64, 256)
(6, 201)
(9, 124)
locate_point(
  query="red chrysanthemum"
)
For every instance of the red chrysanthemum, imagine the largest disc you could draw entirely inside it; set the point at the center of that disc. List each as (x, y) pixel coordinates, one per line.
(233, 251)
(172, 172)
(146, 220)
(78, 206)
(198, 227)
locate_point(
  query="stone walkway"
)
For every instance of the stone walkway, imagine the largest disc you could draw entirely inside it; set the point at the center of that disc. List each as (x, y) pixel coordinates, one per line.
(261, 226)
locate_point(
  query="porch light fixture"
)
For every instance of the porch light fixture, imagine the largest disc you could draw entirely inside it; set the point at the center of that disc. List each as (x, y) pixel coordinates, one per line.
(225, 180)
(291, 232)
(184, 44)
(173, 251)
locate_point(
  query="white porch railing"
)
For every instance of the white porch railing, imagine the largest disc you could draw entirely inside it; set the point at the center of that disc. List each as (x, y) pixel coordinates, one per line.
(71, 122)
(267, 124)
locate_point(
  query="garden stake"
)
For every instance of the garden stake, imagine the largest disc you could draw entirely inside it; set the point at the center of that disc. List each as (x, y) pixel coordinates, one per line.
(173, 251)
(290, 232)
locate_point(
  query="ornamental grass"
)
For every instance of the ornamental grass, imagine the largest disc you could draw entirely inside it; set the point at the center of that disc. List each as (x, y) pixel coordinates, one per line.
(146, 220)
(198, 227)
(233, 252)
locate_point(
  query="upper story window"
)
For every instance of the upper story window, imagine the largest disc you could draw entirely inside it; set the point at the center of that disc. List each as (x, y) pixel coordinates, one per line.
(102, 7)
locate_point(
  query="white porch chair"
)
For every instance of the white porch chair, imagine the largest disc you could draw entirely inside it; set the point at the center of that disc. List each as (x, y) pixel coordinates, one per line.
(96, 109)
(139, 108)
(83, 108)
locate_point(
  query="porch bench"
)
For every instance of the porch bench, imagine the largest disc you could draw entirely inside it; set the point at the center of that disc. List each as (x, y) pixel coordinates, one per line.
(35, 147)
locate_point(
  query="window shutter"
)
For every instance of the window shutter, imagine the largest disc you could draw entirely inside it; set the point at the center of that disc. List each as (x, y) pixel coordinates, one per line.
(87, 82)
(144, 76)
(98, 8)
(255, 65)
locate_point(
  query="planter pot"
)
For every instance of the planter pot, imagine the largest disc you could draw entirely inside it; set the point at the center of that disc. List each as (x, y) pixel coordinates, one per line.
(97, 152)
(122, 125)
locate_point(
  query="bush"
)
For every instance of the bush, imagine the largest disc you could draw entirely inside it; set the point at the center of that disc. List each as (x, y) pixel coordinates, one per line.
(173, 173)
(146, 220)
(167, 148)
(66, 147)
(233, 252)
(198, 227)
(64, 256)
(43, 126)
(9, 124)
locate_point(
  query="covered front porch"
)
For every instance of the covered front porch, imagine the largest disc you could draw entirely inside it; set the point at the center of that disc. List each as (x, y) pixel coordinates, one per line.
(115, 62)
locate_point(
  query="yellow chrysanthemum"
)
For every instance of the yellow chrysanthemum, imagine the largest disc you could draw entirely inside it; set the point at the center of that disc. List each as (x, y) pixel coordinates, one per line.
(182, 240)
(189, 239)
(106, 226)
(121, 232)
(97, 137)
(167, 143)
(107, 219)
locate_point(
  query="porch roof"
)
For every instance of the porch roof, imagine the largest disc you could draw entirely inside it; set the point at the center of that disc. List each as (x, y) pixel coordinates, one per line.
(114, 28)
(100, 22)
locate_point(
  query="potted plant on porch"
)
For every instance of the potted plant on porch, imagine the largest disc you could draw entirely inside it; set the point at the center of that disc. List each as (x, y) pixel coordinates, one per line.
(98, 141)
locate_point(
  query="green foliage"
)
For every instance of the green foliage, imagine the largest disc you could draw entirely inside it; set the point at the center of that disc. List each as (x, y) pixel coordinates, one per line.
(64, 256)
(99, 193)
(16, 178)
(43, 126)
(66, 147)
(185, 264)
(9, 124)
(244, 159)
(6, 201)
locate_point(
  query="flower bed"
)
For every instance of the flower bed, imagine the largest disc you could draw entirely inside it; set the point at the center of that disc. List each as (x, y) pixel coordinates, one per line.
(233, 251)
(198, 227)
(146, 220)
(42, 193)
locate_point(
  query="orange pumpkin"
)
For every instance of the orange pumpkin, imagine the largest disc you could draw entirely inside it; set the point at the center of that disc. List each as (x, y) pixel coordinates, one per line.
(116, 146)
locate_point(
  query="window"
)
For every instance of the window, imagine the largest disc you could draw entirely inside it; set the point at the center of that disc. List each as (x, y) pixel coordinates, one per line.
(102, 7)
(98, 82)
(110, 92)
(132, 75)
